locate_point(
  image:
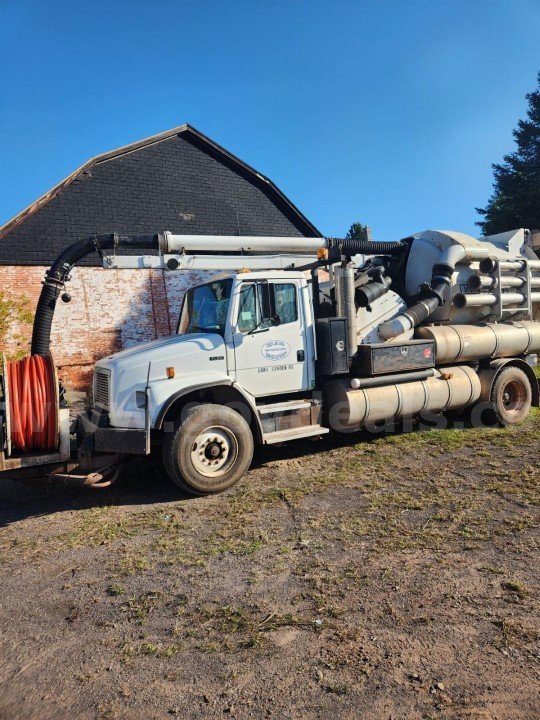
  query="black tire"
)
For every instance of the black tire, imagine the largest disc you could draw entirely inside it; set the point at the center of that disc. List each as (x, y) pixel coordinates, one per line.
(209, 451)
(511, 397)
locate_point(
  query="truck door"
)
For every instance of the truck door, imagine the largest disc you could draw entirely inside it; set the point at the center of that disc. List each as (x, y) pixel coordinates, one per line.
(270, 338)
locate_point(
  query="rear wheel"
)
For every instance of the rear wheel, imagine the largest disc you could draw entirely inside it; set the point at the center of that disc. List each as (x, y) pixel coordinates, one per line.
(511, 396)
(209, 450)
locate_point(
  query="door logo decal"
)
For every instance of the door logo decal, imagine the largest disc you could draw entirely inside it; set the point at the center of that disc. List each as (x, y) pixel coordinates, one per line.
(276, 350)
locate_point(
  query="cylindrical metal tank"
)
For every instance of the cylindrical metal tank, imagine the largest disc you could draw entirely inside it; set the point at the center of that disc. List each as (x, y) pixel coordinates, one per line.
(350, 409)
(463, 343)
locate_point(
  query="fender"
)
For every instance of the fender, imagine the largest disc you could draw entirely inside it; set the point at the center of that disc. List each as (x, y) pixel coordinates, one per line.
(489, 374)
(203, 386)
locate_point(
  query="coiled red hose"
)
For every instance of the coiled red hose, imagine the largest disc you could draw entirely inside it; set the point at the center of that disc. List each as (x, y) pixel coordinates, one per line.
(32, 403)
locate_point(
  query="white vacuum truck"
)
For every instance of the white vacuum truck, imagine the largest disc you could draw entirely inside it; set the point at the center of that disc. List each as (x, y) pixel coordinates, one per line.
(301, 336)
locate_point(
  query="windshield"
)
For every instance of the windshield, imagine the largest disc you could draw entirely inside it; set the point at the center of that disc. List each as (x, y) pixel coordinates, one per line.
(205, 308)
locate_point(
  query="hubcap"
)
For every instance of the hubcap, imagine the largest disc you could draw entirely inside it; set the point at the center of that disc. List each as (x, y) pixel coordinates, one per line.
(514, 397)
(214, 451)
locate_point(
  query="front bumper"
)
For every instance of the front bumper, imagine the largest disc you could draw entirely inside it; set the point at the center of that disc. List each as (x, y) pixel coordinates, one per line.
(95, 433)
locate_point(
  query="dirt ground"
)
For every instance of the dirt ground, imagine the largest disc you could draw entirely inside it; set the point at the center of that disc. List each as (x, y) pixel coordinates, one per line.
(387, 578)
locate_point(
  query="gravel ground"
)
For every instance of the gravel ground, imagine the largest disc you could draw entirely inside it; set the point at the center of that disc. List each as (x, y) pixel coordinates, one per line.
(385, 578)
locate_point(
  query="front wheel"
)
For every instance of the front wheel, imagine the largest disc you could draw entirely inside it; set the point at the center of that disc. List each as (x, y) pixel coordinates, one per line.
(209, 450)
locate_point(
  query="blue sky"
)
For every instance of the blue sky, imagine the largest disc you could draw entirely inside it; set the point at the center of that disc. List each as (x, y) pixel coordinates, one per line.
(389, 112)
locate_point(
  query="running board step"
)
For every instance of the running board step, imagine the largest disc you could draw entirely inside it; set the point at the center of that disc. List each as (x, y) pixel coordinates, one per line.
(295, 418)
(294, 434)
(287, 406)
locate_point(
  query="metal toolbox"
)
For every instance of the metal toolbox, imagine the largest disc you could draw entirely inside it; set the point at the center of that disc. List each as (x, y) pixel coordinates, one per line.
(331, 346)
(384, 358)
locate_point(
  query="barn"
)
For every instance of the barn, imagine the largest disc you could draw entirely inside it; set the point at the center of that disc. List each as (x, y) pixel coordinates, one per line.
(179, 180)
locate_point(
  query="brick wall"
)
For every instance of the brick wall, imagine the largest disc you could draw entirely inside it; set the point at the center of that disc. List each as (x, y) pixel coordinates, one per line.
(109, 310)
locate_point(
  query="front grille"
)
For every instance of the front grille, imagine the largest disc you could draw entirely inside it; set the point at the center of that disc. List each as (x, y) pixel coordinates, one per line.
(101, 387)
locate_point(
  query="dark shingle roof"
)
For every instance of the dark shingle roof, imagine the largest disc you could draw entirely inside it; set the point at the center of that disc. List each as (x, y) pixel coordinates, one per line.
(184, 130)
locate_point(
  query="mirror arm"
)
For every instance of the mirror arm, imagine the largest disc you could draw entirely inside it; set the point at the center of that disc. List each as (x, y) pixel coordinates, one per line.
(271, 302)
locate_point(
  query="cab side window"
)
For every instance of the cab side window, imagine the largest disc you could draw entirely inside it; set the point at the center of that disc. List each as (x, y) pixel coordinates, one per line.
(285, 303)
(247, 314)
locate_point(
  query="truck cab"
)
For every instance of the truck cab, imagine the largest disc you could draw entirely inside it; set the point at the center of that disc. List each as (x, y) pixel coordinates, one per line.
(266, 323)
(244, 349)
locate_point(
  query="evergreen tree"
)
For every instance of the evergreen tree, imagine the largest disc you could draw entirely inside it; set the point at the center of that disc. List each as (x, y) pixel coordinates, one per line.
(357, 231)
(515, 201)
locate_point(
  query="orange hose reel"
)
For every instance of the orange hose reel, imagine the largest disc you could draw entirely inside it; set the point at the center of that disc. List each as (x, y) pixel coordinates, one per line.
(33, 403)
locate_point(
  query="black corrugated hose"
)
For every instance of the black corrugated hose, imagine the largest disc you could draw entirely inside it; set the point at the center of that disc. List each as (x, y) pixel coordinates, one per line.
(57, 275)
(338, 247)
(431, 295)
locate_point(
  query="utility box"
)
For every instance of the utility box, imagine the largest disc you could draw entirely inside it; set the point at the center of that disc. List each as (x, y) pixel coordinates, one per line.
(385, 358)
(331, 346)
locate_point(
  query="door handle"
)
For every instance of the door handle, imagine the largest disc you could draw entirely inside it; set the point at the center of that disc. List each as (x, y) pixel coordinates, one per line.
(300, 355)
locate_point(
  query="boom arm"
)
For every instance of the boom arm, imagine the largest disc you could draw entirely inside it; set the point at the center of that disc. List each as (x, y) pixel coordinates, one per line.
(207, 262)
(190, 252)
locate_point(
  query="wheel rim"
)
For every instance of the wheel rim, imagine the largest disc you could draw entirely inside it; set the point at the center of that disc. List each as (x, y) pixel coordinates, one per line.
(214, 451)
(514, 397)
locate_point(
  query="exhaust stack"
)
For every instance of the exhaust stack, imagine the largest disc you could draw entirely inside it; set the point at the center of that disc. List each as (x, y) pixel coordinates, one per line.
(345, 306)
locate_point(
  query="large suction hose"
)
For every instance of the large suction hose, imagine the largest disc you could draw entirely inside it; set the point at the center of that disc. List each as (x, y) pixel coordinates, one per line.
(57, 275)
(431, 295)
(349, 247)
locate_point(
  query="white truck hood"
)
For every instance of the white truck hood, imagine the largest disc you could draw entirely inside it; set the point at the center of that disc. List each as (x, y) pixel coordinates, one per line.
(196, 359)
(177, 348)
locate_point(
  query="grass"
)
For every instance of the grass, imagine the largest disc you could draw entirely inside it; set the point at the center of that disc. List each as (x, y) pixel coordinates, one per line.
(115, 589)
(255, 625)
(517, 587)
(137, 609)
(130, 562)
(146, 648)
(210, 628)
